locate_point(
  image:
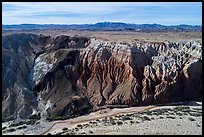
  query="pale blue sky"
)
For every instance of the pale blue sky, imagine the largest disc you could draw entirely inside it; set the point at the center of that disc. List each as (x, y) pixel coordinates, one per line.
(165, 13)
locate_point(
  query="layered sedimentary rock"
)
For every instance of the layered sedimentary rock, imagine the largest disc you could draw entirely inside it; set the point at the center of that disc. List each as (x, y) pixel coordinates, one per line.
(68, 76)
(167, 77)
(18, 52)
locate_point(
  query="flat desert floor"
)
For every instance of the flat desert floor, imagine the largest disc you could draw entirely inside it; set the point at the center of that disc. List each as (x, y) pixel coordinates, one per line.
(146, 120)
(120, 36)
(151, 120)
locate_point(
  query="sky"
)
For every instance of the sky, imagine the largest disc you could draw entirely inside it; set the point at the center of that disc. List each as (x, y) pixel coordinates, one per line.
(165, 13)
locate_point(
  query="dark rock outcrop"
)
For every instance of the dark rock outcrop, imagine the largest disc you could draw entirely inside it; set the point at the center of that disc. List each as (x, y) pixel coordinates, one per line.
(18, 51)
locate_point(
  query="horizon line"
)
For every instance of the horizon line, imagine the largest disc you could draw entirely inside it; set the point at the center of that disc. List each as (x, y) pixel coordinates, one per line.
(101, 22)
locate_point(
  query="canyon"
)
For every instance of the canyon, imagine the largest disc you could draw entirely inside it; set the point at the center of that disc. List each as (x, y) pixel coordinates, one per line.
(67, 76)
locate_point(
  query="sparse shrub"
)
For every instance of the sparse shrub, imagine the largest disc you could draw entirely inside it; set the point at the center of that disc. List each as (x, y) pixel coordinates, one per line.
(135, 114)
(70, 133)
(179, 108)
(148, 112)
(126, 118)
(90, 132)
(145, 118)
(112, 122)
(191, 119)
(117, 116)
(180, 114)
(54, 117)
(186, 107)
(85, 125)
(167, 109)
(22, 127)
(110, 118)
(131, 122)
(119, 122)
(157, 112)
(59, 133)
(154, 113)
(182, 108)
(64, 129)
(199, 114)
(141, 113)
(105, 124)
(77, 129)
(129, 115)
(34, 117)
(49, 134)
(105, 119)
(198, 125)
(79, 126)
(97, 120)
(195, 114)
(185, 113)
(171, 117)
(16, 124)
(198, 109)
(30, 122)
(83, 133)
(186, 110)
(11, 130)
(161, 117)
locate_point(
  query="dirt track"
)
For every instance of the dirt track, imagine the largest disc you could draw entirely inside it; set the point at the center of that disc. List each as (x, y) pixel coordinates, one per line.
(58, 125)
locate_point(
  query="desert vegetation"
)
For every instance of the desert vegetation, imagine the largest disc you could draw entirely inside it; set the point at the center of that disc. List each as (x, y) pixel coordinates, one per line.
(116, 123)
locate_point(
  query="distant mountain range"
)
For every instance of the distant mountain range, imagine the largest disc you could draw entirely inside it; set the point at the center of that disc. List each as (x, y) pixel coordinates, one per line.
(110, 26)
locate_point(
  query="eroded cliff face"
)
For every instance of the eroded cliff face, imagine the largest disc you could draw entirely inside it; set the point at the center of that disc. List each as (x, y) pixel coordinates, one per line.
(111, 73)
(166, 79)
(18, 52)
(68, 76)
